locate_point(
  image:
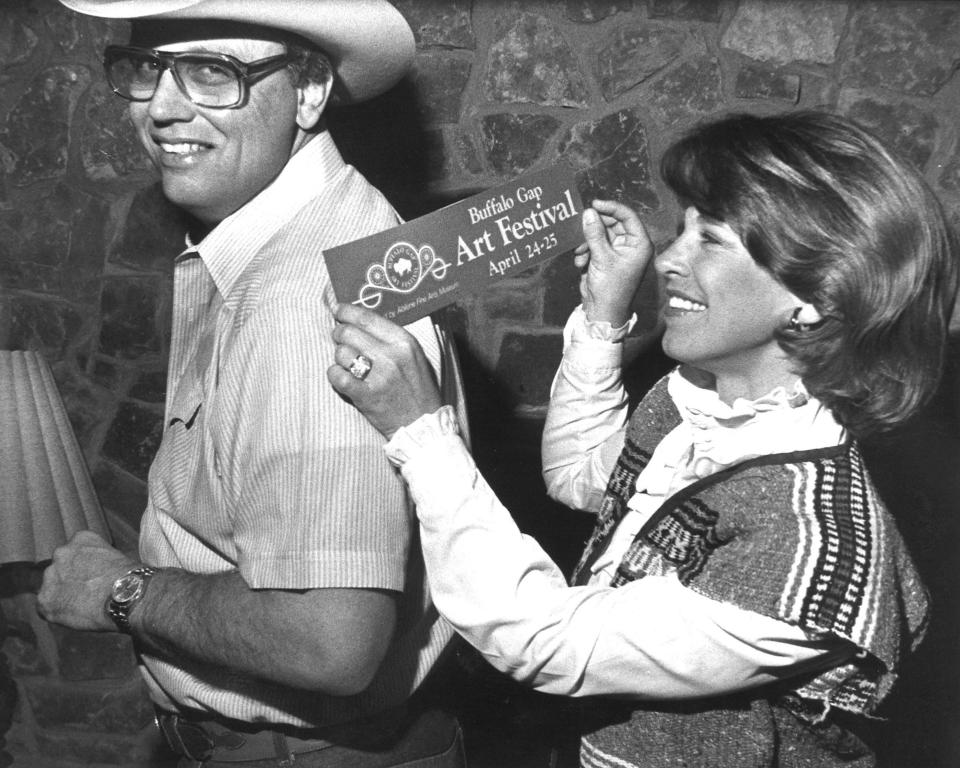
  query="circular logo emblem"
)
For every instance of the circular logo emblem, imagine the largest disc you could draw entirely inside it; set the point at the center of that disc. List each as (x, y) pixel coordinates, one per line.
(402, 264)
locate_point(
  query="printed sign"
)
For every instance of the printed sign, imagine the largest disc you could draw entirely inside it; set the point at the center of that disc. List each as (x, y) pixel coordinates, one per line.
(416, 268)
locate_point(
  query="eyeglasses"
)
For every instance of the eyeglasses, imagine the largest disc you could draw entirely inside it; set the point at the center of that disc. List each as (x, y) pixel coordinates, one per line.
(214, 80)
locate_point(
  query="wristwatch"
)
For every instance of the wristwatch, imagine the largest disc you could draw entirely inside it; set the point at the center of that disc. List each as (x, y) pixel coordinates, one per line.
(127, 591)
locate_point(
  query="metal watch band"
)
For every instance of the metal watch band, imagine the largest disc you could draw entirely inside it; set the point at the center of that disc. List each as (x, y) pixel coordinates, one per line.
(120, 612)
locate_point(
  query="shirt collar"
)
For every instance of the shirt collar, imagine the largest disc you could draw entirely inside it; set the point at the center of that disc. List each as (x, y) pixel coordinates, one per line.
(229, 247)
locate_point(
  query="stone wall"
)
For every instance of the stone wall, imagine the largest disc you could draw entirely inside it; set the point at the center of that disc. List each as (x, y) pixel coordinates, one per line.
(499, 88)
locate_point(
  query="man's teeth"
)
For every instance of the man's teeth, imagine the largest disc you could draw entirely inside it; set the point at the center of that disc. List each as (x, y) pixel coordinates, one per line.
(675, 302)
(180, 149)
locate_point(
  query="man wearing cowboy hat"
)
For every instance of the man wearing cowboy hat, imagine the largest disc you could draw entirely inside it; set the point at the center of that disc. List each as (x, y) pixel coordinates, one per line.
(279, 608)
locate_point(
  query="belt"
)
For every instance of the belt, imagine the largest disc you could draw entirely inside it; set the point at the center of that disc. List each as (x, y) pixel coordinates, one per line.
(202, 738)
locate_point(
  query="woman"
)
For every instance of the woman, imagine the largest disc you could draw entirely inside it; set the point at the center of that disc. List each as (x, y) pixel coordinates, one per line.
(745, 596)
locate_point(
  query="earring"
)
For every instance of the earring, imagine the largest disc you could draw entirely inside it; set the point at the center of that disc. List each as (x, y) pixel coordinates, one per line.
(804, 324)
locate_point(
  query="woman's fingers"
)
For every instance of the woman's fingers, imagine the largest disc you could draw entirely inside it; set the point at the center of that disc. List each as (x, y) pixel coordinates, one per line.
(594, 230)
(620, 219)
(383, 344)
(614, 210)
(381, 368)
(343, 382)
(345, 355)
(368, 321)
(356, 338)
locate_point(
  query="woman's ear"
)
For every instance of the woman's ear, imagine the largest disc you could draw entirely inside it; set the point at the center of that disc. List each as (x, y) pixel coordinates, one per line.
(312, 100)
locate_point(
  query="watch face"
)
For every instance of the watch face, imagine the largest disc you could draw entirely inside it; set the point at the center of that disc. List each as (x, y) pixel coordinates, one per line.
(127, 587)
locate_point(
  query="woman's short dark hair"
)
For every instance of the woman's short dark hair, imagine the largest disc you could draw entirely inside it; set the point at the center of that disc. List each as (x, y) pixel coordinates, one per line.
(846, 226)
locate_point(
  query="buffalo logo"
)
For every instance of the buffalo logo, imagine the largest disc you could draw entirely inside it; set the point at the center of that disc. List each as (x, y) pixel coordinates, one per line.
(404, 266)
(403, 269)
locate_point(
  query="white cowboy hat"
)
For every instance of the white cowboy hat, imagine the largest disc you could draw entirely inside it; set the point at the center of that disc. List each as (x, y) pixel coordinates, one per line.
(369, 43)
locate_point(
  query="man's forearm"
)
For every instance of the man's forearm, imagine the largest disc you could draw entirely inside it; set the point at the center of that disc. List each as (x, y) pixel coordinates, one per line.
(331, 640)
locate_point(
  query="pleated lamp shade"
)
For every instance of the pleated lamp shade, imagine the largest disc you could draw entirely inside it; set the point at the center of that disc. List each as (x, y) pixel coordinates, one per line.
(46, 494)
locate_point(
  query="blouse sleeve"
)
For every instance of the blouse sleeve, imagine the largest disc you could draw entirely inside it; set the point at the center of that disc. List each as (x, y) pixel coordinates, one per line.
(652, 638)
(586, 420)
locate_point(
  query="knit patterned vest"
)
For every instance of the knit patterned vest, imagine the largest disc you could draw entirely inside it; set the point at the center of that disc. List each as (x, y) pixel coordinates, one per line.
(800, 537)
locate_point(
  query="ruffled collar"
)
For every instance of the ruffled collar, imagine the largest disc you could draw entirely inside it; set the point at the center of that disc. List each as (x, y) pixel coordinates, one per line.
(703, 407)
(714, 435)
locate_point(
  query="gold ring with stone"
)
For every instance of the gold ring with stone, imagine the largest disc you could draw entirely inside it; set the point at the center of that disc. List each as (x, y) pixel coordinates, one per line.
(360, 367)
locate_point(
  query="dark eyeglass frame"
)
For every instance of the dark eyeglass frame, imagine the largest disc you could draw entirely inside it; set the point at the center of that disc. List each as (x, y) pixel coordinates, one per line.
(247, 72)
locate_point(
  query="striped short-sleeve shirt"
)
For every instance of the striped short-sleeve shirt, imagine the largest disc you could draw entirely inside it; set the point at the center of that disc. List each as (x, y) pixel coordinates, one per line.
(263, 468)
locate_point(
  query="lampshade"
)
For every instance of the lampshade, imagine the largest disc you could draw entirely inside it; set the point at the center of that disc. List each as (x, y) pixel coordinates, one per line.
(46, 494)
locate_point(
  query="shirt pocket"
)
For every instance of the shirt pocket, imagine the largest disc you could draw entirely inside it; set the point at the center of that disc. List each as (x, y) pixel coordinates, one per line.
(176, 475)
(186, 403)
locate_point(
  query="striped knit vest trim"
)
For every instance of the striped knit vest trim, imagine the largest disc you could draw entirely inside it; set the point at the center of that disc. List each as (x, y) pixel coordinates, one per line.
(658, 417)
(801, 537)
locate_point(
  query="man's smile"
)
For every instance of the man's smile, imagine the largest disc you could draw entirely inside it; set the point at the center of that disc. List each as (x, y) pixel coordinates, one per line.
(181, 148)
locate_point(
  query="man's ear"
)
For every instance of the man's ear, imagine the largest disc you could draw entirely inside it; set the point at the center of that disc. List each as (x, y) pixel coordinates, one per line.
(311, 102)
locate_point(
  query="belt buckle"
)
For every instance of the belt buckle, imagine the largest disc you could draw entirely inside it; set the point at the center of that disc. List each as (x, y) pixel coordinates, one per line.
(185, 738)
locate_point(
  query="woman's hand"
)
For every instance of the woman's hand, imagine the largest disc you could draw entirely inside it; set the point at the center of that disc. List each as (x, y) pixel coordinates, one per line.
(399, 386)
(612, 260)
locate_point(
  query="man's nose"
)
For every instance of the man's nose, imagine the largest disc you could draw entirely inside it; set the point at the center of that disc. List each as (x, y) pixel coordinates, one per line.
(169, 102)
